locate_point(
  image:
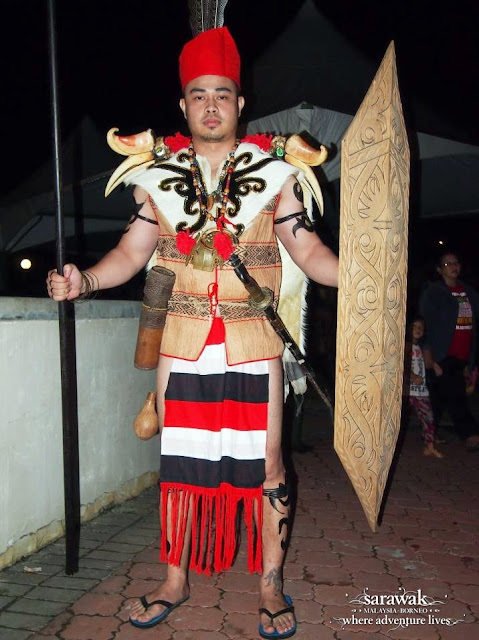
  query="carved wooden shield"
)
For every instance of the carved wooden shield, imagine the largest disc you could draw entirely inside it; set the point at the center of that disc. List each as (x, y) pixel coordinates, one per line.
(372, 288)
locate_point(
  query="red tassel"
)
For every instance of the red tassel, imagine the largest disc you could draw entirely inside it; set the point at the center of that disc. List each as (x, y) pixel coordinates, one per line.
(177, 142)
(184, 242)
(262, 140)
(213, 518)
(223, 245)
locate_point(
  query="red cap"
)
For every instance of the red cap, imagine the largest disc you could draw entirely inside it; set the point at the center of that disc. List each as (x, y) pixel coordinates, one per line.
(211, 53)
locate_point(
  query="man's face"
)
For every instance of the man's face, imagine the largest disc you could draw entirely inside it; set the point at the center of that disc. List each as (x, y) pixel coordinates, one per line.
(450, 267)
(212, 107)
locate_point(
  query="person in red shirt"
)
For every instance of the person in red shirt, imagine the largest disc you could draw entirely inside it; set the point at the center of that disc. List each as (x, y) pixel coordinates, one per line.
(450, 308)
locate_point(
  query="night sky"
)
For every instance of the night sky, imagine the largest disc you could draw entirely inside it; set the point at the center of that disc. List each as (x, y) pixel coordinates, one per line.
(118, 63)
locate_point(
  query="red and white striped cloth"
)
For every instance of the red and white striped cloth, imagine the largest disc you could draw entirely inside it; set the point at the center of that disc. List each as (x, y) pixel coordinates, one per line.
(213, 447)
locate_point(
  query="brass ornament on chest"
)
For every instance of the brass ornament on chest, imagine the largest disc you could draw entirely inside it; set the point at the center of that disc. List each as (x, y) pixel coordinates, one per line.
(204, 256)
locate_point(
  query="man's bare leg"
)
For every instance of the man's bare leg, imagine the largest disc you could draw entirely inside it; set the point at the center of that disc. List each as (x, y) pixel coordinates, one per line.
(276, 511)
(176, 586)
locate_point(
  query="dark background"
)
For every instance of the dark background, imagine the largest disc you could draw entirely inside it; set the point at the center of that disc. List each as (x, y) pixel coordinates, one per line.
(118, 64)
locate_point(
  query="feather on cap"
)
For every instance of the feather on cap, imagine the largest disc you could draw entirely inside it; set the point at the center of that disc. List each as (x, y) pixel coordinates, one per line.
(212, 52)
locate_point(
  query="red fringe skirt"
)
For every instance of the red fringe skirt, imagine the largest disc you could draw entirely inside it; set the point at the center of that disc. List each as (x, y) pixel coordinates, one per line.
(213, 447)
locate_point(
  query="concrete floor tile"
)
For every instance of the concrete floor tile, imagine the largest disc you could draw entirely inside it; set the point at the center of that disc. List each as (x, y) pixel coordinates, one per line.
(55, 625)
(89, 574)
(149, 555)
(352, 635)
(147, 571)
(245, 603)
(397, 552)
(15, 577)
(29, 621)
(327, 575)
(161, 632)
(137, 588)
(342, 534)
(37, 607)
(205, 596)
(313, 544)
(5, 600)
(70, 582)
(301, 589)
(14, 634)
(375, 582)
(199, 635)
(238, 582)
(204, 619)
(307, 631)
(123, 548)
(113, 584)
(54, 595)
(323, 558)
(9, 589)
(405, 569)
(459, 632)
(92, 563)
(308, 611)
(100, 604)
(457, 576)
(90, 628)
(353, 547)
(293, 570)
(469, 594)
(240, 626)
(113, 556)
(414, 631)
(361, 563)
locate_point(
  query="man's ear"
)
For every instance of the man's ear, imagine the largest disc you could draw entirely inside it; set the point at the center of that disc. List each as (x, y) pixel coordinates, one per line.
(240, 105)
(438, 269)
(182, 104)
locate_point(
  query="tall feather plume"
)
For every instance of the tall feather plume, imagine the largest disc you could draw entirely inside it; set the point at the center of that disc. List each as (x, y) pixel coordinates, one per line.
(206, 14)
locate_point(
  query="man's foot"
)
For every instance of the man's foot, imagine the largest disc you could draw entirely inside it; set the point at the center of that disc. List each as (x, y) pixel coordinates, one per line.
(430, 450)
(472, 443)
(153, 608)
(277, 619)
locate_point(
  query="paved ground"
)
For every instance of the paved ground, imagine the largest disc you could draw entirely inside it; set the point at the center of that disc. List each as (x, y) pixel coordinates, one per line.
(427, 545)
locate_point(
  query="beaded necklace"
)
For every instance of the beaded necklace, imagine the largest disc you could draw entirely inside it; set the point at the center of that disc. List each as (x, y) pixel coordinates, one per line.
(220, 195)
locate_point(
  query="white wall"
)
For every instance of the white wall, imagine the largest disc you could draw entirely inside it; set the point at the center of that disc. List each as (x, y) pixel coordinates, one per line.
(113, 461)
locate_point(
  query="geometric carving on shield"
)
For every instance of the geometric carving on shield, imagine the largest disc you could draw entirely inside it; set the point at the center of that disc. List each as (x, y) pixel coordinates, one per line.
(372, 288)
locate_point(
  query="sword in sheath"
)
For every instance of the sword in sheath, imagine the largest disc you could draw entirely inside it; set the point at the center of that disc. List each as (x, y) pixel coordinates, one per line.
(262, 298)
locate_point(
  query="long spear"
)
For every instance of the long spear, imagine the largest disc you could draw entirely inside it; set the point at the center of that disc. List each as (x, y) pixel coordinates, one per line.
(66, 318)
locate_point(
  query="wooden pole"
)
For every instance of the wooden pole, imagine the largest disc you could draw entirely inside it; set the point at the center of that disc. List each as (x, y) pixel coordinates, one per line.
(66, 317)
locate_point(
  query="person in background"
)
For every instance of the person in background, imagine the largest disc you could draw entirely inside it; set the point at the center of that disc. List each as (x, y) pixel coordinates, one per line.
(450, 309)
(418, 392)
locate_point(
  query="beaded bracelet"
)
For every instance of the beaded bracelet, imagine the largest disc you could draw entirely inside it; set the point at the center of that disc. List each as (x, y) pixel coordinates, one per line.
(90, 286)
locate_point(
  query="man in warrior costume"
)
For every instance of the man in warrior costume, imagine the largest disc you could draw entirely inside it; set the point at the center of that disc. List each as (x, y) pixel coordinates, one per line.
(220, 375)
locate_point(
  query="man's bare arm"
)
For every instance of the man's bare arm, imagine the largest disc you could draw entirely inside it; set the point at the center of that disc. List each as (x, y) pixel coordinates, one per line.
(121, 263)
(297, 234)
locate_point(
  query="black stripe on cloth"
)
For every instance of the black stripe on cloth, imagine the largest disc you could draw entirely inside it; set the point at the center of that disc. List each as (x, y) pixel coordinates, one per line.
(240, 387)
(247, 474)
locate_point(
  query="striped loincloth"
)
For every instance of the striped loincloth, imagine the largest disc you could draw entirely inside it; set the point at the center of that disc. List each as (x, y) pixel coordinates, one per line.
(213, 456)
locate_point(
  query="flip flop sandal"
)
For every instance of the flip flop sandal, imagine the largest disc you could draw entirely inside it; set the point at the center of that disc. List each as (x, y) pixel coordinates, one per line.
(157, 619)
(272, 616)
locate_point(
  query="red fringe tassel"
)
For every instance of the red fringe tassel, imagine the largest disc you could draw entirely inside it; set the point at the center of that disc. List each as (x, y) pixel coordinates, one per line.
(213, 515)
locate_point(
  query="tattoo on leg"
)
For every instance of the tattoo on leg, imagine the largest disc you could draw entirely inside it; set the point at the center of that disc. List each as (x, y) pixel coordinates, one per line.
(136, 214)
(280, 494)
(273, 578)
